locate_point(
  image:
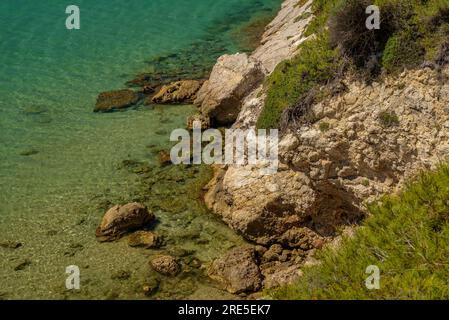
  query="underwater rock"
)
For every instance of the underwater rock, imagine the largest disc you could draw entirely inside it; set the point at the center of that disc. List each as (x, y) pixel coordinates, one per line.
(166, 265)
(183, 91)
(22, 265)
(145, 239)
(34, 110)
(121, 275)
(151, 286)
(29, 152)
(237, 271)
(164, 158)
(8, 244)
(141, 80)
(73, 249)
(121, 219)
(114, 100)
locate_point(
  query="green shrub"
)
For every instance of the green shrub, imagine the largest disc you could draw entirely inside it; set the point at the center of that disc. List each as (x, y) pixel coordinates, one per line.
(388, 119)
(363, 46)
(315, 64)
(406, 236)
(440, 15)
(324, 126)
(402, 51)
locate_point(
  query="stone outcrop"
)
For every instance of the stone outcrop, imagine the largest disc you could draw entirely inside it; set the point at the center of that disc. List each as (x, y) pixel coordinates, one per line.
(262, 207)
(122, 219)
(177, 92)
(116, 100)
(231, 79)
(376, 135)
(284, 34)
(237, 271)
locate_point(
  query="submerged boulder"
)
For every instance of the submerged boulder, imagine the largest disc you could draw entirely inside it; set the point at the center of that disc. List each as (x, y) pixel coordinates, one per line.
(121, 219)
(166, 265)
(114, 100)
(145, 239)
(237, 271)
(177, 92)
(231, 79)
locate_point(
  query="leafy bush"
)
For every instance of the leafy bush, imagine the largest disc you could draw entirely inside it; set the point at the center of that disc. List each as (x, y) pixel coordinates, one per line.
(388, 119)
(440, 17)
(315, 64)
(324, 126)
(411, 31)
(402, 51)
(406, 237)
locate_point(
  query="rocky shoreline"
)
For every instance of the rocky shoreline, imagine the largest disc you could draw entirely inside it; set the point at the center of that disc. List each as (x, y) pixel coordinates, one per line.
(365, 141)
(234, 95)
(356, 150)
(238, 271)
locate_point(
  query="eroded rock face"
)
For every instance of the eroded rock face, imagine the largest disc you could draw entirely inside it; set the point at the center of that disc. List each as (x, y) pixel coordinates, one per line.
(178, 92)
(231, 79)
(284, 34)
(166, 265)
(122, 219)
(377, 136)
(115, 100)
(237, 271)
(262, 207)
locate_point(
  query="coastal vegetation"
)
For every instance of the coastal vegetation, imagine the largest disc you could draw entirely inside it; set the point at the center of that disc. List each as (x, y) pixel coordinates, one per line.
(406, 236)
(339, 44)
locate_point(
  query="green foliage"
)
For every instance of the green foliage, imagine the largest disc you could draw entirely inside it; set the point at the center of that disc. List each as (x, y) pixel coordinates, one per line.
(315, 64)
(321, 9)
(388, 119)
(411, 31)
(402, 51)
(324, 126)
(406, 236)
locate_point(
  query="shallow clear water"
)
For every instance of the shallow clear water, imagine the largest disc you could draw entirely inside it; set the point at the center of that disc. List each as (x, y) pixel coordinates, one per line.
(60, 164)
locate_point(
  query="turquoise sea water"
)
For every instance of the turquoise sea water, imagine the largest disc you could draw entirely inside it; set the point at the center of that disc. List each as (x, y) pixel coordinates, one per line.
(57, 157)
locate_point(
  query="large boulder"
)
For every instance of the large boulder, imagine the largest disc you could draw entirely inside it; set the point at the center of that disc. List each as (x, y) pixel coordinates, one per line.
(261, 207)
(237, 271)
(231, 79)
(177, 92)
(115, 100)
(121, 219)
